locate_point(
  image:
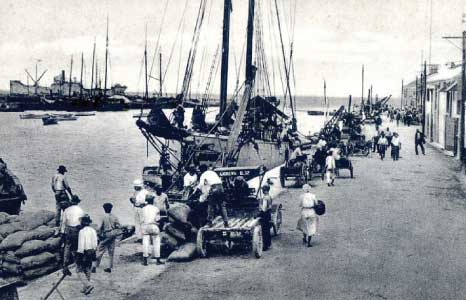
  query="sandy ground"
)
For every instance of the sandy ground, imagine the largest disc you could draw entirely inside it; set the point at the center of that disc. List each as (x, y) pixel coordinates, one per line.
(395, 231)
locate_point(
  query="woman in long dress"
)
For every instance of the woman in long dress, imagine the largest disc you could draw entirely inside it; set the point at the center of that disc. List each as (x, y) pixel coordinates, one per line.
(307, 223)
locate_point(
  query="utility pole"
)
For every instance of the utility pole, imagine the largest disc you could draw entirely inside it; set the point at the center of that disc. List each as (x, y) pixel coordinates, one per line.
(92, 70)
(82, 66)
(71, 71)
(424, 99)
(402, 92)
(146, 92)
(460, 154)
(362, 91)
(416, 97)
(106, 62)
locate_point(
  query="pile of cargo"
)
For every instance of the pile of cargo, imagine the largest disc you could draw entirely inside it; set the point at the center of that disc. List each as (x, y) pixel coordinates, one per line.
(28, 247)
(179, 235)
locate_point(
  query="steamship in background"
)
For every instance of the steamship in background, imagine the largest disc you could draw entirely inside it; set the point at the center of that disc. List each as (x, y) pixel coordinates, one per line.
(249, 128)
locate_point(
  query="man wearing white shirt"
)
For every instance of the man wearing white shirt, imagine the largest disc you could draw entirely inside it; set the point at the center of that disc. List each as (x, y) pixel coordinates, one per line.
(211, 187)
(70, 228)
(189, 182)
(86, 253)
(138, 200)
(396, 146)
(150, 216)
(330, 166)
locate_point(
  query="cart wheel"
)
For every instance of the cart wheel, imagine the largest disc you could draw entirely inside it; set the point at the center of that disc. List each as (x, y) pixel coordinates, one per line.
(277, 222)
(257, 243)
(200, 245)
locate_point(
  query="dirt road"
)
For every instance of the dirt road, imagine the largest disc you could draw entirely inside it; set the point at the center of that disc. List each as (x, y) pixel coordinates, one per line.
(396, 231)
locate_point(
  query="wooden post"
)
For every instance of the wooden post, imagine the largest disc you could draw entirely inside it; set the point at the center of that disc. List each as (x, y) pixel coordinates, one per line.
(106, 62)
(92, 70)
(82, 66)
(362, 90)
(424, 98)
(463, 98)
(160, 74)
(402, 92)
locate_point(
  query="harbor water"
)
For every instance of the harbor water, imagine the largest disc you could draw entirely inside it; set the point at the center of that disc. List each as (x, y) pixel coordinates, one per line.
(103, 153)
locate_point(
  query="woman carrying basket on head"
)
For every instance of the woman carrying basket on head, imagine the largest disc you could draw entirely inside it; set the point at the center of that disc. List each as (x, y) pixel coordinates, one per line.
(307, 223)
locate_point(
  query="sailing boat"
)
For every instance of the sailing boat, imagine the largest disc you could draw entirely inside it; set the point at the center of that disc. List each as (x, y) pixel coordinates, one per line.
(250, 130)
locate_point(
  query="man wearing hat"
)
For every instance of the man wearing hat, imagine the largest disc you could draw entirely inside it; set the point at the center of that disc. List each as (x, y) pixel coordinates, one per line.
(138, 200)
(60, 187)
(108, 241)
(86, 253)
(265, 212)
(70, 228)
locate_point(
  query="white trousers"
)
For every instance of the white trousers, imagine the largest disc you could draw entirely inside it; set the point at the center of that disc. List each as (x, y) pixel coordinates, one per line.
(330, 176)
(151, 240)
(137, 221)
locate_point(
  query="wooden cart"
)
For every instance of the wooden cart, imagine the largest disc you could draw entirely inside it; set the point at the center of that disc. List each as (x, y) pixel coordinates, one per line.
(299, 170)
(244, 228)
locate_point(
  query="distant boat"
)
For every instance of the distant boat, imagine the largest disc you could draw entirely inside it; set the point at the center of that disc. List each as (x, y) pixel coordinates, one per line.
(139, 115)
(33, 116)
(84, 114)
(315, 113)
(66, 118)
(49, 120)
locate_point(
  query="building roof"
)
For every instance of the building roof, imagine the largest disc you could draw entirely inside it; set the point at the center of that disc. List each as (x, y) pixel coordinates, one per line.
(444, 73)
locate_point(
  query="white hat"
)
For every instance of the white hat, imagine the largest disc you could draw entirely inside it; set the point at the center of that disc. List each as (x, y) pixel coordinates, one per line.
(138, 183)
(306, 188)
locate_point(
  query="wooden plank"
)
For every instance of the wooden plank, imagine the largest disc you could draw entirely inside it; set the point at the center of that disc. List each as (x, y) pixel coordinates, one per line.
(243, 221)
(234, 222)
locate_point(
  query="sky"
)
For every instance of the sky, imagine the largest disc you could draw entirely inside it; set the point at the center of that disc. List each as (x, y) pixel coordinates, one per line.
(332, 39)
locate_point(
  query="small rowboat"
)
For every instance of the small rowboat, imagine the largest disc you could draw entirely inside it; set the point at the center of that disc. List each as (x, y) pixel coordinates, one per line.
(49, 120)
(85, 114)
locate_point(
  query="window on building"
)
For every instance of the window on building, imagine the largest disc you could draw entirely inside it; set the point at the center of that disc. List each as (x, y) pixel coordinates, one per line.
(458, 103)
(449, 102)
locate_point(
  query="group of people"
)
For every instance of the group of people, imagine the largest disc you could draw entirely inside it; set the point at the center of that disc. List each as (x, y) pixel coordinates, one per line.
(407, 115)
(383, 140)
(81, 242)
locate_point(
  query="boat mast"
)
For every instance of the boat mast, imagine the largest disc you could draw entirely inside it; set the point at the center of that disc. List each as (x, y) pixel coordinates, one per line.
(227, 7)
(160, 73)
(106, 62)
(71, 70)
(249, 43)
(146, 93)
(82, 66)
(362, 90)
(92, 69)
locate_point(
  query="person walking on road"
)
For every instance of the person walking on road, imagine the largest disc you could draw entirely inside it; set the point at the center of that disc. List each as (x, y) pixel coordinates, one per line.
(107, 241)
(61, 189)
(419, 140)
(308, 220)
(150, 230)
(330, 167)
(396, 146)
(86, 253)
(265, 208)
(389, 136)
(382, 145)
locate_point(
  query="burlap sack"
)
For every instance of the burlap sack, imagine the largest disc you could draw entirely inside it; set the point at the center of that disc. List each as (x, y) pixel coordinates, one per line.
(10, 257)
(4, 218)
(179, 213)
(32, 262)
(7, 229)
(168, 240)
(15, 240)
(30, 248)
(32, 220)
(41, 271)
(187, 252)
(175, 232)
(8, 268)
(53, 244)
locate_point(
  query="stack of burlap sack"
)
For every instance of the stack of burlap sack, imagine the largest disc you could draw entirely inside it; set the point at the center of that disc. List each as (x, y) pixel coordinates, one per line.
(28, 247)
(179, 235)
